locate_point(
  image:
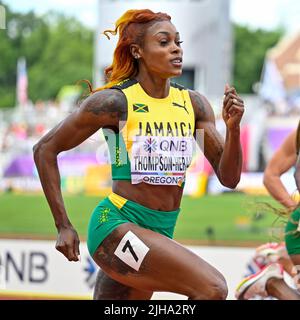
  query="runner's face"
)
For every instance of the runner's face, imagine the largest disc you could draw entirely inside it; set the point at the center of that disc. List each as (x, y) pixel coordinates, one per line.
(161, 53)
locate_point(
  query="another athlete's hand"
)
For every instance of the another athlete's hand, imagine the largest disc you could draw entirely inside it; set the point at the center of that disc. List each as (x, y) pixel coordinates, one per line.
(233, 108)
(68, 243)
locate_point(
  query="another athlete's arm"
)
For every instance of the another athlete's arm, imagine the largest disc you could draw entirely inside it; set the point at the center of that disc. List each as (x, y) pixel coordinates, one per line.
(102, 109)
(225, 158)
(283, 159)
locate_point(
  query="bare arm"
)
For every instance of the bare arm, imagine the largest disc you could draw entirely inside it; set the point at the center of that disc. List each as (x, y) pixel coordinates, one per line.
(225, 157)
(102, 109)
(283, 159)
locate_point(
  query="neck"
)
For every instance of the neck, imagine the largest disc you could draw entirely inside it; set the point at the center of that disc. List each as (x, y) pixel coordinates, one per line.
(153, 85)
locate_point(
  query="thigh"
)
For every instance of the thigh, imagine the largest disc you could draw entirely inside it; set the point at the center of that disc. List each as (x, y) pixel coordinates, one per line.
(108, 289)
(156, 264)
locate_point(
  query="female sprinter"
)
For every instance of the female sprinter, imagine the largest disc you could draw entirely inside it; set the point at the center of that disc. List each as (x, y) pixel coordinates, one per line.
(149, 124)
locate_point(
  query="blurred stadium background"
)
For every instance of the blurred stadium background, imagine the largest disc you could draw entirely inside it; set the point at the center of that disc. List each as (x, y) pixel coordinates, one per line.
(41, 59)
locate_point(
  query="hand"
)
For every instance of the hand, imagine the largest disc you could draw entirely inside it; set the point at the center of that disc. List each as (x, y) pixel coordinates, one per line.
(68, 243)
(233, 108)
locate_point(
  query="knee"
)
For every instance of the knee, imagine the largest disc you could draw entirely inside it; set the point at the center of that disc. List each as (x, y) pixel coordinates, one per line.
(218, 291)
(215, 290)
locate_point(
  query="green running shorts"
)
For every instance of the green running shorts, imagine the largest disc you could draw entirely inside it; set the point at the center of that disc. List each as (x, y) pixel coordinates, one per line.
(115, 210)
(292, 236)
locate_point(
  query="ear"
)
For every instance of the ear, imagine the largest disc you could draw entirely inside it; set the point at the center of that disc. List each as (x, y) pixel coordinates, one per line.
(135, 51)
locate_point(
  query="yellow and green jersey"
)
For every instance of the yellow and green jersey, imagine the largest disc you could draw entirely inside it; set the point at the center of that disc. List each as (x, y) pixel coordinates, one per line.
(155, 144)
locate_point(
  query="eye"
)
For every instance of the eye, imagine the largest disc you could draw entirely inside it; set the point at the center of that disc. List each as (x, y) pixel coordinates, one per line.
(179, 43)
(163, 42)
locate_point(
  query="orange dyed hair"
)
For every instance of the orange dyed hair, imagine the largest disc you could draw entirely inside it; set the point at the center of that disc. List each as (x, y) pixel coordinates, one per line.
(131, 27)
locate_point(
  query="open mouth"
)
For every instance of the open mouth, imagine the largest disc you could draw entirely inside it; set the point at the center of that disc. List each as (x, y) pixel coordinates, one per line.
(177, 62)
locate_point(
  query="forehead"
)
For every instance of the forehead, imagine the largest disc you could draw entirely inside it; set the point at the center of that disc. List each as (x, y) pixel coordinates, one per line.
(161, 26)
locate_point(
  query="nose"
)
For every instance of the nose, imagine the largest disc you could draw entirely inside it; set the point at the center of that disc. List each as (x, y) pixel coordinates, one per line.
(176, 49)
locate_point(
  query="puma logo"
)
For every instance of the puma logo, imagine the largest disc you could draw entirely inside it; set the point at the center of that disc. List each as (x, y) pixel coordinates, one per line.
(180, 106)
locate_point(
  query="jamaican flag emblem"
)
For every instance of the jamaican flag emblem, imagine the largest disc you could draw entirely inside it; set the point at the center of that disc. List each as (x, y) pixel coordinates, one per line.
(140, 107)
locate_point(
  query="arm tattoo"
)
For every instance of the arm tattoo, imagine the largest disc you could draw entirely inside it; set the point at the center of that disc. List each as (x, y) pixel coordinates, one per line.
(212, 139)
(198, 105)
(214, 148)
(110, 102)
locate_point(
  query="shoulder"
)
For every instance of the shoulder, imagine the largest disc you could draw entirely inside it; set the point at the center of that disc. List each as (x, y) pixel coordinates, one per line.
(201, 105)
(108, 100)
(105, 98)
(286, 153)
(290, 143)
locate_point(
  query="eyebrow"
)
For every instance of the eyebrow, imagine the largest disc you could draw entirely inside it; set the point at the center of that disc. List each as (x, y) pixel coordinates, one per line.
(166, 33)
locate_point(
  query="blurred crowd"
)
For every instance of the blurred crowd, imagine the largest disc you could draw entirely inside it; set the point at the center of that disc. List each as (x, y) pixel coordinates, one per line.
(21, 127)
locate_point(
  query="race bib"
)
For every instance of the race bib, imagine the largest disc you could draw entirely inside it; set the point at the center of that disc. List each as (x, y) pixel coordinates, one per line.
(160, 160)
